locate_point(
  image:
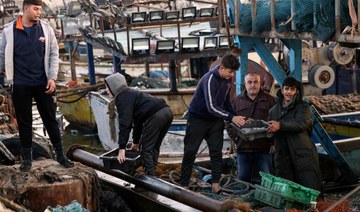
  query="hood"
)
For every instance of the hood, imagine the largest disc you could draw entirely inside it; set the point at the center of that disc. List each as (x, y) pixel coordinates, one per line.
(116, 83)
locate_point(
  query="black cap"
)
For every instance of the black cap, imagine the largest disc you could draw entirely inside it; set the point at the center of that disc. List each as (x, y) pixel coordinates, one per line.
(33, 2)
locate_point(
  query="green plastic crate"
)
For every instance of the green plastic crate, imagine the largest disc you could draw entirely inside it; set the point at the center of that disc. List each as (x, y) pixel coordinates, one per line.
(277, 200)
(288, 188)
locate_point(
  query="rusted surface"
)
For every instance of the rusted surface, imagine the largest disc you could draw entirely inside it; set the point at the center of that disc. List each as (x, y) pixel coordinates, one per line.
(49, 184)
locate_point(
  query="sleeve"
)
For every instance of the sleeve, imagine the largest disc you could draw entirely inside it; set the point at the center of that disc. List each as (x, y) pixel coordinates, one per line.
(125, 111)
(301, 121)
(53, 56)
(211, 94)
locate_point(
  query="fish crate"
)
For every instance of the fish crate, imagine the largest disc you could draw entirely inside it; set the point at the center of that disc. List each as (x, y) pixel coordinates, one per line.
(277, 200)
(132, 161)
(253, 130)
(288, 188)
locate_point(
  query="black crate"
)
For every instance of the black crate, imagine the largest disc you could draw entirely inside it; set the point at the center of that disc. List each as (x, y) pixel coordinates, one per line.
(253, 130)
(132, 162)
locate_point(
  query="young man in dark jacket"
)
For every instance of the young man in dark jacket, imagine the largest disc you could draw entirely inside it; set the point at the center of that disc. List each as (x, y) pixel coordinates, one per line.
(209, 108)
(253, 104)
(296, 158)
(150, 118)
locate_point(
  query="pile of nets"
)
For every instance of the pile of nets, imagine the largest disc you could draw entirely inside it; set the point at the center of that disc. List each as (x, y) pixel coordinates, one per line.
(316, 16)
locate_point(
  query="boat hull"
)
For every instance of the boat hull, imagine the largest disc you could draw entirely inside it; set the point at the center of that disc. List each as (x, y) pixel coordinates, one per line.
(342, 125)
(78, 112)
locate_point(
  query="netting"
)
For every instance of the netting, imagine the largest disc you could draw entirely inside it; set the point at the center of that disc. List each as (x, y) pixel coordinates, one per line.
(316, 16)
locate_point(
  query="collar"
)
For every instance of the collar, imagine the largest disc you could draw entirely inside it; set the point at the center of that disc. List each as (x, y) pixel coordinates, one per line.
(19, 25)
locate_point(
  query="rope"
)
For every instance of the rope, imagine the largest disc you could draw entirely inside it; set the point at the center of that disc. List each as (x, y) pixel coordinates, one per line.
(82, 91)
(12, 205)
(75, 100)
(6, 152)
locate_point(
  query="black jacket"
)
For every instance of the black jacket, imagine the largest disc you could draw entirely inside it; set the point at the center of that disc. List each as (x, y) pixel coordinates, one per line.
(296, 157)
(134, 108)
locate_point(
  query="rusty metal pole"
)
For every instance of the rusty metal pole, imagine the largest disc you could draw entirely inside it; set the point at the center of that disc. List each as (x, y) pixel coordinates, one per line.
(272, 14)
(293, 11)
(153, 184)
(253, 16)
(337, 17)
(237, 17)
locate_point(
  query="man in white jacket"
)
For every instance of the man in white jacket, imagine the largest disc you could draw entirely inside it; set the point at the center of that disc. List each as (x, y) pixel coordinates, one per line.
(29, 56)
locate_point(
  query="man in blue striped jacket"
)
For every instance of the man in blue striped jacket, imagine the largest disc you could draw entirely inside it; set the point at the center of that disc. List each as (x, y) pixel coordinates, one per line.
(209, 108)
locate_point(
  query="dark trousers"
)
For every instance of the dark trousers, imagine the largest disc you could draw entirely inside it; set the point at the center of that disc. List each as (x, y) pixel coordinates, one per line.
(154, 131)
(196, 131)
(22, 98)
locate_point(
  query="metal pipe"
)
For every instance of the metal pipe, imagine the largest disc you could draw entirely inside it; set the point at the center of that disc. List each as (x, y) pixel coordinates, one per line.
(153, 184)
(220, 14)
(272, 14)
(172, 71)
(293, 9)
(253, 15)
(237, 16)
(337, 17)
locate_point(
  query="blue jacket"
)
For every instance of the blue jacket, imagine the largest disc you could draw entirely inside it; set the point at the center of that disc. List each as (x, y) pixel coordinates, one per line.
(211, 100)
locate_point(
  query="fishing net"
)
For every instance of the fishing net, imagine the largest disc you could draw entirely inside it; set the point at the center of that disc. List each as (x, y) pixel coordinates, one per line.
(316, 16)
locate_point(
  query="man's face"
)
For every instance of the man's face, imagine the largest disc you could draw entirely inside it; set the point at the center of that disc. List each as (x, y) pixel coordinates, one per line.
(226, 73)
(32, 12)
(108, 90)
(252, 84)
(288, 93)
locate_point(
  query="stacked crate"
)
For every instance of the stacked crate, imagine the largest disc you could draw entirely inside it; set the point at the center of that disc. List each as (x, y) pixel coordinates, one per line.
(282, 193)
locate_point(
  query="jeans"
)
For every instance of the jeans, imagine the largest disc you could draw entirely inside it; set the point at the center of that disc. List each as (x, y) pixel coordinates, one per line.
(246, 162)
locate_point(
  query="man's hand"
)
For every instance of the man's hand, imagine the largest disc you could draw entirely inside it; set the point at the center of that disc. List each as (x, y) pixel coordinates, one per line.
(121, 156)
(134, 147)
(238, 120)
(50, 87)
(274, 126)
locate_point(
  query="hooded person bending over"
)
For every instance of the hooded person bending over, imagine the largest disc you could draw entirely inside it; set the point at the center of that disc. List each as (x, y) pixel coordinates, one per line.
(150, 118)
(296, 158)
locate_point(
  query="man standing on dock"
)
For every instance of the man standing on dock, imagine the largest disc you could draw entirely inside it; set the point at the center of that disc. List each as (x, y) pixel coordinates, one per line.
(29, 56)
(209, 108)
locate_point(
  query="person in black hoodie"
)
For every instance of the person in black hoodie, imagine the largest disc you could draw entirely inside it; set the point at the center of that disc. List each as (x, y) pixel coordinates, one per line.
(150, 118)
(296, 158)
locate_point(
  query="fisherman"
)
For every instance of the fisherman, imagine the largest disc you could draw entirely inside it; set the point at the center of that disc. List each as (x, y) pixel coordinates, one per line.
(253, 104)
(209, 108)
(29, 55)
(150, 118)
(296, 158)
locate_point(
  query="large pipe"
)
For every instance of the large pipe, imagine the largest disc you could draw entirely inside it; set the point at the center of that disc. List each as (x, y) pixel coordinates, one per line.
(153, 184)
